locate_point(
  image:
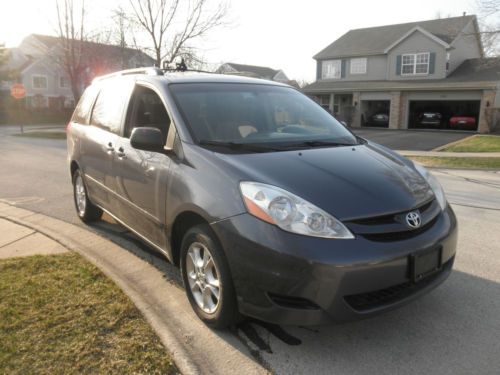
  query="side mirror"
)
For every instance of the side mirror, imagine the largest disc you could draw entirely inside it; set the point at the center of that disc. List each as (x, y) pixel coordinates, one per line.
(147, 139)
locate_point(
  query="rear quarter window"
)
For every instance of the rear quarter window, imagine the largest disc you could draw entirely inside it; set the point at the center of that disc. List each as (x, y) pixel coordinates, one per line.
(82, 110)
(109, 108)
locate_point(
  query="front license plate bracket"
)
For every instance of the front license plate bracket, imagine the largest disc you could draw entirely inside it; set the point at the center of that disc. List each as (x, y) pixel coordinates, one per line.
(425, 263)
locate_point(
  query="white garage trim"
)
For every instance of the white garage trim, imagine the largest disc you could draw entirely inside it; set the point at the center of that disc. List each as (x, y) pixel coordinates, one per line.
(375, 96)
(445, 95)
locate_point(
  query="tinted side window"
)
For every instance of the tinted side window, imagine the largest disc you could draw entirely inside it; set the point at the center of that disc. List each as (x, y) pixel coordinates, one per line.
(82, 110)
(147, 110)
(110, 105)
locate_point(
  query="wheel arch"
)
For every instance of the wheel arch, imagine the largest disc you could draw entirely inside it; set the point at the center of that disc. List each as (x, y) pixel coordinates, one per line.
(73, 167)
(181, 224)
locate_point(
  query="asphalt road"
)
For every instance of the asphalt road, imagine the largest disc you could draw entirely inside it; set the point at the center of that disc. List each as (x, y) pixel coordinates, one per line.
(453, 330)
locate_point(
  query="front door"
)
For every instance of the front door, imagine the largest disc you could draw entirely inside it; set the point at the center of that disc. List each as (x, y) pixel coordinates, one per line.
(142, 176)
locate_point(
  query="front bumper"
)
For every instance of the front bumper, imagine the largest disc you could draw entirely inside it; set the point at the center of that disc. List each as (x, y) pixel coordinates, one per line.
(291, 279)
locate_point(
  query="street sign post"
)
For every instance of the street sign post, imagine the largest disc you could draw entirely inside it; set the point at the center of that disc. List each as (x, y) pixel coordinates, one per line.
(18, 92)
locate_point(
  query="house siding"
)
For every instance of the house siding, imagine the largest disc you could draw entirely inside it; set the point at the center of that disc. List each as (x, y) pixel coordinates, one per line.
(416, 43)
(465, 47)
(41, 68)
(375, 69)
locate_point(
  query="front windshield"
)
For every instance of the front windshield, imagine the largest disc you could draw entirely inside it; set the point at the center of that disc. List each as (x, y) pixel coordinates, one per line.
(259, 115)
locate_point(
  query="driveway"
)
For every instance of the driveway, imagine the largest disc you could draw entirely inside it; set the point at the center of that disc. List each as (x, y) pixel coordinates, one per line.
(414, 140)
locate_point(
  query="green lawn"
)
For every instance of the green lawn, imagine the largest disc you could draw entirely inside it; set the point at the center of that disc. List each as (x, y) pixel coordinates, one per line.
(60, 315)
(466, 163)
(43, 134)
(481, 143)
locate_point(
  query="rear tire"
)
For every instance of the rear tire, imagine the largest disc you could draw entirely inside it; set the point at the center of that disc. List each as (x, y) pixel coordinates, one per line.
(207, 278)
(85, 209)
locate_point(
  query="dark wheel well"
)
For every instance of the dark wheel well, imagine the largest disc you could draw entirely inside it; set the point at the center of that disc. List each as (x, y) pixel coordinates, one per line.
(182, 224)
(73, 168)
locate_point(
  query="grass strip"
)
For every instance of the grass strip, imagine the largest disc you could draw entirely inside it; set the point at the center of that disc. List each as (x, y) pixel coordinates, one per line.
(481, 143)
(43, 134)
(60, 315)
(451, 162)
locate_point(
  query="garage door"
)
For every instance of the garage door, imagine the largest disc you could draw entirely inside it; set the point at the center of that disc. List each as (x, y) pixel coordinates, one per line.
(375, 113)
(451, 114)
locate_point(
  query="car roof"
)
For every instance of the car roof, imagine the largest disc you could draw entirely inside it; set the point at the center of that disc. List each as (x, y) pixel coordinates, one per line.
(158, 76)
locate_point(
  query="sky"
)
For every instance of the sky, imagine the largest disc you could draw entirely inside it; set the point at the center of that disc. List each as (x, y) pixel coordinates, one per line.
(281, 34)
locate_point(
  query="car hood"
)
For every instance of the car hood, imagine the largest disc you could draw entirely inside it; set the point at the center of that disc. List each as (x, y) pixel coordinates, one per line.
(348, 182)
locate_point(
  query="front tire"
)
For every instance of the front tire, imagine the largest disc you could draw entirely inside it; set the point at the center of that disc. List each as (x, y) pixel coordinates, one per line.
(207, 279)
(86, 211)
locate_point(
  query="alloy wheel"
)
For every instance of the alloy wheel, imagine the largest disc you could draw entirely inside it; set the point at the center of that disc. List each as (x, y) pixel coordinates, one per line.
(80, 195)
(203, 277)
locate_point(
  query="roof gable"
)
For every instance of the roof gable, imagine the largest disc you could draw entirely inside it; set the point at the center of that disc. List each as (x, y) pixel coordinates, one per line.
(420, 30)
(376, 40)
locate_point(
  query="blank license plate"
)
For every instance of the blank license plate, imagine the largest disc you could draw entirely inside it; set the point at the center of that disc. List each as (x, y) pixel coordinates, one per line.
(425, 263)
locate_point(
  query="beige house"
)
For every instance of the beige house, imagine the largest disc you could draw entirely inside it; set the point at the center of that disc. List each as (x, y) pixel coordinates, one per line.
(47, 84)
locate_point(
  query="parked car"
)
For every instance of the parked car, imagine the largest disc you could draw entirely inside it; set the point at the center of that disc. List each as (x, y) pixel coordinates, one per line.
(296, 221)
(430, 118)
(379, 119)
(463, 122)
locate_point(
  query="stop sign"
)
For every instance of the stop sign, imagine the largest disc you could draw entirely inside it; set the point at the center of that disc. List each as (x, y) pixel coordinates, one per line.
(18, 91)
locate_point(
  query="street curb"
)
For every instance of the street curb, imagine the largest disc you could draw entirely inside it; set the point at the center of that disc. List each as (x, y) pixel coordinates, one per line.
(138, 280)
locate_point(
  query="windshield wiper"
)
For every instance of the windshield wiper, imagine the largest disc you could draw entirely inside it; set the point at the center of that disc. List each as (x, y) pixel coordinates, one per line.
(320, 144)
(239, 146)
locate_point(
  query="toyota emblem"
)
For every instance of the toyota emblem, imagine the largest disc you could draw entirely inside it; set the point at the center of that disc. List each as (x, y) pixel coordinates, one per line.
(413, 219)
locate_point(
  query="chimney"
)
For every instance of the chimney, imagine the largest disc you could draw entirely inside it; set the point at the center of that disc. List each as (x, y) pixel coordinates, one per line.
(463, 14)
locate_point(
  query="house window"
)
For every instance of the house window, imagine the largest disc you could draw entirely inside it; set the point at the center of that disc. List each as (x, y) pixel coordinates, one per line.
(39, 82)
(336, 104)
(331, 69)
(358, 66)
(417, 63)
(63, 82)
(324, 101)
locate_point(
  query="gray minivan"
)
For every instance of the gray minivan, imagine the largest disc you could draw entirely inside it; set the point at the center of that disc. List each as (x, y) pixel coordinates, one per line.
(269, 206)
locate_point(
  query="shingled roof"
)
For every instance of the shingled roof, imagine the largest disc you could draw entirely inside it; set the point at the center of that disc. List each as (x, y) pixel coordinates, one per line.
(375, 40)
(100, 49)
(260, 71)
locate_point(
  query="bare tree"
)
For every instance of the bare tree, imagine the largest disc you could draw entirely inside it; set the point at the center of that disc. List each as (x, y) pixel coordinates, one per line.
(4, 58)
(172, 25)
(119, 32)
(489, 20)
(71, 30)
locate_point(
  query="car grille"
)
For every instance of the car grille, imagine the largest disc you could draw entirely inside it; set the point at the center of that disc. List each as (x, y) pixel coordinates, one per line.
(391, 227)
(387, 296)
(399, 236)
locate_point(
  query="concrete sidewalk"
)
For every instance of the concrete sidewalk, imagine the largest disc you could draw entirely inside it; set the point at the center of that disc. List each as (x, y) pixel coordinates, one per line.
(195, 348)
(18, 240)
(442, 154)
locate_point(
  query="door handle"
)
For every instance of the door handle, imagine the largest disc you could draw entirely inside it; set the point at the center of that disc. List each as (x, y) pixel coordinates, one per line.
(109, 147)
(121, 153)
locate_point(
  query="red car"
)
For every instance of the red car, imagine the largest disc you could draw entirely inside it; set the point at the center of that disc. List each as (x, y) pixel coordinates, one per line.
(463, 122)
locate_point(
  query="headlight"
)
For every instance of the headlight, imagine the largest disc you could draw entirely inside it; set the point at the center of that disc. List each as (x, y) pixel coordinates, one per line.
(289, 212)
(434, 184)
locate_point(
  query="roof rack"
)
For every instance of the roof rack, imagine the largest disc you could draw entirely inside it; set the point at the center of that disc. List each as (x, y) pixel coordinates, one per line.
(179, 67)
(150, 71)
